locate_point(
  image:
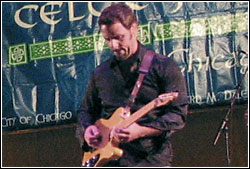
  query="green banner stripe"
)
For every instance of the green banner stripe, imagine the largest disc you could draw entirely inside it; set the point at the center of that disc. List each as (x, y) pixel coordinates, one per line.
(197, 27)
(201, 27)
(18, 55)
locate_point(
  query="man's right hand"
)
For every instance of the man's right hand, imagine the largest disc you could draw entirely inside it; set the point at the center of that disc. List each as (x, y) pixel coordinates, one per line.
(92, 136)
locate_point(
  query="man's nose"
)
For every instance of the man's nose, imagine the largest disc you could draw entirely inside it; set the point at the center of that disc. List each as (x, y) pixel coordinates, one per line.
(114, 44)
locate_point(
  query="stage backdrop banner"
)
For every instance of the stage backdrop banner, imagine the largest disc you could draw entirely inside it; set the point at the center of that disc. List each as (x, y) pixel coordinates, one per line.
(49, 50)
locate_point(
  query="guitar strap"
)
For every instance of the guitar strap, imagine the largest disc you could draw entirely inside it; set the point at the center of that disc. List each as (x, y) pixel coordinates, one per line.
(143, 70)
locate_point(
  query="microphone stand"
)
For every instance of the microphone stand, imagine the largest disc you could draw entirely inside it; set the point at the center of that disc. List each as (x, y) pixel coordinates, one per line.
(224, 127)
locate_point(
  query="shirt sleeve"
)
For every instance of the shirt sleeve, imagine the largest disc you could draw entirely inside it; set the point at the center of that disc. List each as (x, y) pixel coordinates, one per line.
(89, 110)
(91, 105)
(171, 117)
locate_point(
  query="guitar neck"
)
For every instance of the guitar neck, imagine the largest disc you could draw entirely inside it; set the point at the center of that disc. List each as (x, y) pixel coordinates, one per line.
(138, 114)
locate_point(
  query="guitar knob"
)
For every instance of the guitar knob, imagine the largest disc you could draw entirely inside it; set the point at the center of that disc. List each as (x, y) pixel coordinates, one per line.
(86, 164)
(95, 159)
(90, 163)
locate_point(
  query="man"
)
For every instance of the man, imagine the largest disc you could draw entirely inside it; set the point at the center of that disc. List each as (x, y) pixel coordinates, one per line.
(145, 142)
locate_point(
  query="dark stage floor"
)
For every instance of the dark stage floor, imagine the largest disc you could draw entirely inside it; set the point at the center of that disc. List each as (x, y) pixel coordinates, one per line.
(193, 146)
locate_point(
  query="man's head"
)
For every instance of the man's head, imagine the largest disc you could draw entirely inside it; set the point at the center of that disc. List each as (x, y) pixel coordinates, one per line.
(119, 28)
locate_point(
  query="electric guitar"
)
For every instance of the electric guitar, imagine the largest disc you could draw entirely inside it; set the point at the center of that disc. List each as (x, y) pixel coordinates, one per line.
(108, 149)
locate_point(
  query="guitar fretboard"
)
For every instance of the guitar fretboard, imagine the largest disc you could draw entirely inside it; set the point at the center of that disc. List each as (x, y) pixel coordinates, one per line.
(138, 114)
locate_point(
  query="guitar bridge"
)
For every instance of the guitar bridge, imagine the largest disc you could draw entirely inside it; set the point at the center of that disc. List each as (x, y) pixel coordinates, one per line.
(92, 161)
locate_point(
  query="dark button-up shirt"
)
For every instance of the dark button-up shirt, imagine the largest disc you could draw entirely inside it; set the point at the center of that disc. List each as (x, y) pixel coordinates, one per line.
(112, 83)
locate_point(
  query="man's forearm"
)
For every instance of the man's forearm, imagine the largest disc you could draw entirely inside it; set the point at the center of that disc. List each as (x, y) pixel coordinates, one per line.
(139, 131)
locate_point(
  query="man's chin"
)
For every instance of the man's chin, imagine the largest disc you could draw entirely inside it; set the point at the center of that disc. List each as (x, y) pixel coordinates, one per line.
(121, 57)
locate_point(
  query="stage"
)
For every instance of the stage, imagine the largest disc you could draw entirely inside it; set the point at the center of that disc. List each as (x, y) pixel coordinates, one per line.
(193, 146)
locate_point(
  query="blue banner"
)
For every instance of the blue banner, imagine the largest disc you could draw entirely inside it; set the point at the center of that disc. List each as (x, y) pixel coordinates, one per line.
(49, 50)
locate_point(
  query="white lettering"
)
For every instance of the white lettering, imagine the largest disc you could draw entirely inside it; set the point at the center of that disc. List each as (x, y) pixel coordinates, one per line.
(230, 94)
(25, 120)
(244, 93)
(8, 122)
(49, 17)
(44, 14)
(211, 98)
(243, 70)
(92, 10)
(195, 99)
(47, 118)
(230, 63)
(71, 12)
(243, 60)
(207, 63)
(65, 116)
(214, 62)
(176, 51)
(191, 60)
(40, 118)
(179, 6)
(19, 21)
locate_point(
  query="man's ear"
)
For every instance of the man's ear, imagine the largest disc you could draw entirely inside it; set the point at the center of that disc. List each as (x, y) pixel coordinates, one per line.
(134, 29)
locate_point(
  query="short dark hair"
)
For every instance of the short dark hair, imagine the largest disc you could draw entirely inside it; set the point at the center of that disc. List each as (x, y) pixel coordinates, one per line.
(118, 13)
